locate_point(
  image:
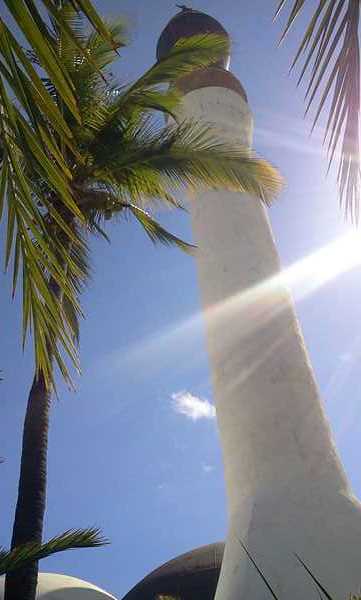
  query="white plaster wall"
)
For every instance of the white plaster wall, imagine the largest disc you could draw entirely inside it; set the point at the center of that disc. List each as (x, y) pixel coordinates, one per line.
(55, 586)
(287, 491)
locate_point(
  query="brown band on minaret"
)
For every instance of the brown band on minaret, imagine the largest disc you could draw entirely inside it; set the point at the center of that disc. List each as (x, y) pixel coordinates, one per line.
(211, 77)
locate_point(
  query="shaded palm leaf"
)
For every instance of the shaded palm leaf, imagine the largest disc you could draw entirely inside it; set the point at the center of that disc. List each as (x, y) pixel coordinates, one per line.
(330, 47)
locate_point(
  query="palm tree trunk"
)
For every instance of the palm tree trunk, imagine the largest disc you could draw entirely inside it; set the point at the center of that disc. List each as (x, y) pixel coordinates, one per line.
(30, 508)
(31, 503)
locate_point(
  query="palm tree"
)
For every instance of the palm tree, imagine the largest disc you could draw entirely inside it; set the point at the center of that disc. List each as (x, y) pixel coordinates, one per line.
(31, 128)
(120, 161)
(331, 65)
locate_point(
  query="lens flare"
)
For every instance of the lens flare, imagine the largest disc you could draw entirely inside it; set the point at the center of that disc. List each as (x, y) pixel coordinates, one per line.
(259, 304)
(325, 264)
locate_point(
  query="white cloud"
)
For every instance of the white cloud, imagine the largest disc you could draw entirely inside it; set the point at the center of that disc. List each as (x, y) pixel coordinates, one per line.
(207, 468)
(193, 407)
(346, 357)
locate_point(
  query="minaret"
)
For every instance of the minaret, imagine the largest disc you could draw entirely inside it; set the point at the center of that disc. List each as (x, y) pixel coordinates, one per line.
(287, 491)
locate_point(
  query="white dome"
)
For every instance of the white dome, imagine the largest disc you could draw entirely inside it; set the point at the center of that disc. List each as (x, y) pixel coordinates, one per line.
(54, 586)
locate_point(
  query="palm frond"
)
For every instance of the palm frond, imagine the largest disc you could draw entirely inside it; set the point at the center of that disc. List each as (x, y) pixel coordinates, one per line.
(139, 102)
(102, 205)
(11, 560)
(148, 92)
(331, 64)
(100, 49)
(33, 25)
(37, 145)
(86, 54)
(98, 24)
(33, 29)
(187, 54)
(188, 155)
(26, 85)
(157, 233)
(40, 256)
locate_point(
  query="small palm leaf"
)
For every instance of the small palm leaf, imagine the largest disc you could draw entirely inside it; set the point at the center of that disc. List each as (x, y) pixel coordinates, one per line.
(331, 52)
(88, 9)
(187, 54)
(157, 233)
(11, 560)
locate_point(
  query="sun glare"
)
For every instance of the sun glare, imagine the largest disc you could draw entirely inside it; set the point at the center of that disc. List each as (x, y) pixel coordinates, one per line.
(325, 264)
(259, 304)
(263, 301)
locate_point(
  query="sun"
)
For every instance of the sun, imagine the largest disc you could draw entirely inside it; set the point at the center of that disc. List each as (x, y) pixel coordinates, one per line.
(325, 264)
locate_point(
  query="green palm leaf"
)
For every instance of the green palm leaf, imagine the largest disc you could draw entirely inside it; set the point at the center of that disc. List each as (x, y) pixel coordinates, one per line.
(28, 21)
(198, 51)
(36, 140)
(11, 560)
(331, 64)
(155, 163)
(34, 28)
(156, 232)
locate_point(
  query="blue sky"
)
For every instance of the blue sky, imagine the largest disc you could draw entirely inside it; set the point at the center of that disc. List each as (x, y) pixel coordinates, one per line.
(123, 454)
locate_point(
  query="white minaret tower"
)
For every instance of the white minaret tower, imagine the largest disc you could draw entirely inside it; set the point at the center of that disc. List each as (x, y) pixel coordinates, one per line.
(287, 491)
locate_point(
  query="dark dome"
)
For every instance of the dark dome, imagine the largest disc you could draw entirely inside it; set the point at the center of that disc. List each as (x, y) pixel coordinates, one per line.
(189, 576)
(186, 23)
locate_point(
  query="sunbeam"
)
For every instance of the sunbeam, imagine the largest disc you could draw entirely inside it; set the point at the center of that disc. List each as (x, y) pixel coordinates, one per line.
(258, 305)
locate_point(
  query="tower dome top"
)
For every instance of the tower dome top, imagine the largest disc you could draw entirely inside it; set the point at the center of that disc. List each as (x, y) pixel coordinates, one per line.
(190, 575)
(186, 23)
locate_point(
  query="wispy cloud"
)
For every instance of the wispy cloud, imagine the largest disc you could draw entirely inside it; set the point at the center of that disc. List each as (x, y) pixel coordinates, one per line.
(207, 468)
(193, 407)
(346, 357)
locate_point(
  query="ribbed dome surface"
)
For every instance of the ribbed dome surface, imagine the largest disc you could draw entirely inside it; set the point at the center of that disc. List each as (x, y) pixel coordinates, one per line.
(190, 576)
(54, 586)
(186, 23)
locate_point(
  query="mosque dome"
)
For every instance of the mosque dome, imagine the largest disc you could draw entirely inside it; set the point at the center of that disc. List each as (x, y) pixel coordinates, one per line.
(190, 22)
(186, 23)
(54, 586)
(190, 576)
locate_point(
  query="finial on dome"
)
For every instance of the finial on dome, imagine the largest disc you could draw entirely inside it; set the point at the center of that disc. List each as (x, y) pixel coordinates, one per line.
(183, 7)
(189, 22)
